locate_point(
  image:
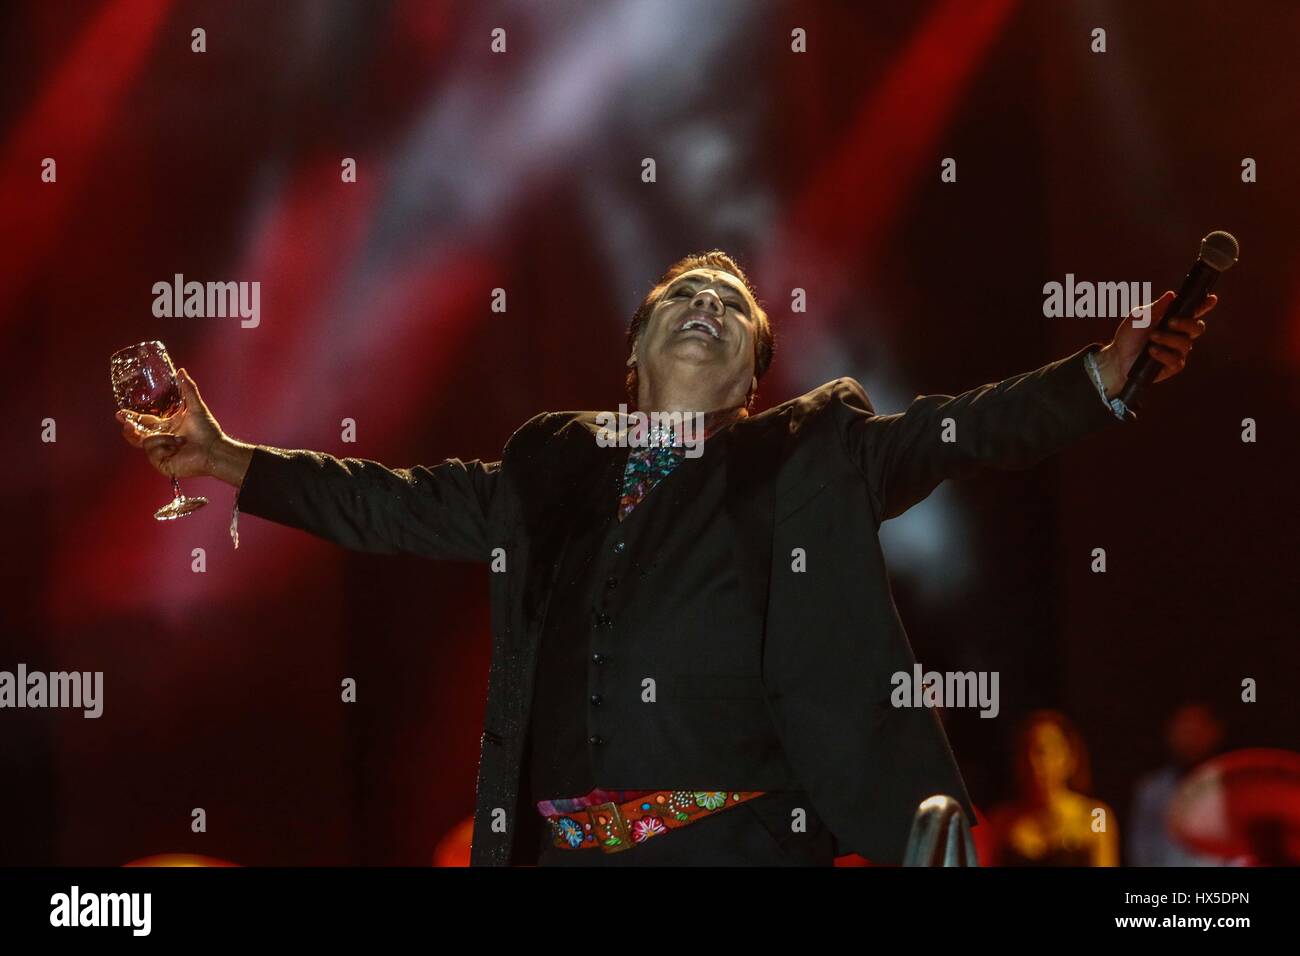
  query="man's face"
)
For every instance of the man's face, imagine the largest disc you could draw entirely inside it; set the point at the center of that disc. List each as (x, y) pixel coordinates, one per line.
(703, 324)
(1193, 735)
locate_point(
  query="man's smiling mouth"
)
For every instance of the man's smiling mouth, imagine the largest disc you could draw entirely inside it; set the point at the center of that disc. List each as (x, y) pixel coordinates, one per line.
(701, 322)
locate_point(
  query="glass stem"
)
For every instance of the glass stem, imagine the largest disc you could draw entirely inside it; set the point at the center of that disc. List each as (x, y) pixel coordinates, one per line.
(176, 487)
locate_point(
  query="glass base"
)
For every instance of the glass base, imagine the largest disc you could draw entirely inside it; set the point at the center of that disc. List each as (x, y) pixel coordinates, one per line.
(179, 507)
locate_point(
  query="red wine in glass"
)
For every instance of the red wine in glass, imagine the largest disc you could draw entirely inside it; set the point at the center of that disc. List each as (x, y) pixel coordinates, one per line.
(144, 381)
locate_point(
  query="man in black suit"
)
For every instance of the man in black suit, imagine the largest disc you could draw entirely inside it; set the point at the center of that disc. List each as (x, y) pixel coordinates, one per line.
(693, 643)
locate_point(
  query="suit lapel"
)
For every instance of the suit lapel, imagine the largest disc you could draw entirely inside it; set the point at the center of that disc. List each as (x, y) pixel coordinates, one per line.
(582, 483)
(753, 463)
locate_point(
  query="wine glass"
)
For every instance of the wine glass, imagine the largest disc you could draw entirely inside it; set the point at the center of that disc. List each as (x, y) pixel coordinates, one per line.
(144, 381)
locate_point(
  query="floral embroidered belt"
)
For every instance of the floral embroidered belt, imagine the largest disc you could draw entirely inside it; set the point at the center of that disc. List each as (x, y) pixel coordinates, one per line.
(619, 826)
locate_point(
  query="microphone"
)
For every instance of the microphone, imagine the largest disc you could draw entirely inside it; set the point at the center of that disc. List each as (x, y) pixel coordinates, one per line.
(1218, 254)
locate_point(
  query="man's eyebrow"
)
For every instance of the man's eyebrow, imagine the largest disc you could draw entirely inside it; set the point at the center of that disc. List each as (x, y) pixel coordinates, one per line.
(744, 297)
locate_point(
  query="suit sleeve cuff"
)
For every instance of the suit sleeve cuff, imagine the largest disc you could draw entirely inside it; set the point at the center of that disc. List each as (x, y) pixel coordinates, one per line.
(250, 490)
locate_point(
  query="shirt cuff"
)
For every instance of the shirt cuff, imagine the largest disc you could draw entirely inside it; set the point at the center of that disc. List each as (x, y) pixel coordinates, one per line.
(234, 511)
(234, 520)
(1114, 404)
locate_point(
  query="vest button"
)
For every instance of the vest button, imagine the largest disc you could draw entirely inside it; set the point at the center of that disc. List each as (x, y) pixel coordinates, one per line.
(596, 699)
(595, 740)
(598, 658)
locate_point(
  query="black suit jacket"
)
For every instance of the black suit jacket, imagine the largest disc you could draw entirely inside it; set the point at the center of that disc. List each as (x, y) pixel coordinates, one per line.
(820, 473)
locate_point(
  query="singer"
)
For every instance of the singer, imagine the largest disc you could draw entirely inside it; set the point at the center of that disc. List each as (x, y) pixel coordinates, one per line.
(692, 655)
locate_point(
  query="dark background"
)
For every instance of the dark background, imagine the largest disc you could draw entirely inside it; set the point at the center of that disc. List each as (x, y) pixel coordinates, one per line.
(522, 171)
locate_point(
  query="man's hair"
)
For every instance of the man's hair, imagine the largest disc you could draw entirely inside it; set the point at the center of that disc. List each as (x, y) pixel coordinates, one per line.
(764, 343)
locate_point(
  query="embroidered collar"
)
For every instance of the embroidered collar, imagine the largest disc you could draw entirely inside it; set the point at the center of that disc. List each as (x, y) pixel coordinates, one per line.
(660, 435)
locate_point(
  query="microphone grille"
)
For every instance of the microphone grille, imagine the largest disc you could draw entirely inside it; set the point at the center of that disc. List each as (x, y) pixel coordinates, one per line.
(1219, 250)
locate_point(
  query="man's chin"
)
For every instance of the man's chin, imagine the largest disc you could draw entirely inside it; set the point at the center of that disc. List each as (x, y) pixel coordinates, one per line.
(696, 350)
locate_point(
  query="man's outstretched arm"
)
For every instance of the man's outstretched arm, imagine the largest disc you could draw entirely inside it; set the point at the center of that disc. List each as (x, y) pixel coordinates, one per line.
(437, 512)
(1004, 425)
